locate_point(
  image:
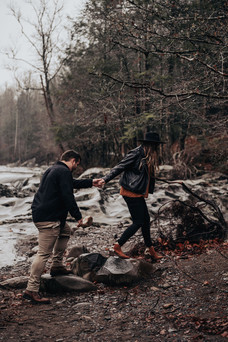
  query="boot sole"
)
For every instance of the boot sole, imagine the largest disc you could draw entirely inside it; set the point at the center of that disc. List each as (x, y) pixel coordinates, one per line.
(120, 256)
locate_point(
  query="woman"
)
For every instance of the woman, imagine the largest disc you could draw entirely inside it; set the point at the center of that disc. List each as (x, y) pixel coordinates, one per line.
(137, 182)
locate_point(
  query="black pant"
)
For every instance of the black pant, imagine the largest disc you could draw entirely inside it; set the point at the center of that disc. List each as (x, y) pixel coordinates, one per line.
(141, 219)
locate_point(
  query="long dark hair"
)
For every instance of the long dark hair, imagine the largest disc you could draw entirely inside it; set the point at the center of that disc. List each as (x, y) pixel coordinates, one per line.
(151, 157)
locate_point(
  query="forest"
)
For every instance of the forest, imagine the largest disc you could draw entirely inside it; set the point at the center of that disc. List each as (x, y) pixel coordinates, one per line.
(129, 67)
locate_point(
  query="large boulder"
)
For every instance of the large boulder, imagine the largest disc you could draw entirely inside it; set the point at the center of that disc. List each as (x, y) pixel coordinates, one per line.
(87, 264)
(118, 271)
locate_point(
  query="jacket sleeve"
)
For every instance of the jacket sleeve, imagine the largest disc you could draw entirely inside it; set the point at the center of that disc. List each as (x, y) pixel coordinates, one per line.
(82, 183)
(66, 189)
(126, 163)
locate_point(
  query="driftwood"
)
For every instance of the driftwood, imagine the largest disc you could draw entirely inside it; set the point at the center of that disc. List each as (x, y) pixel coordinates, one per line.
(193, 223)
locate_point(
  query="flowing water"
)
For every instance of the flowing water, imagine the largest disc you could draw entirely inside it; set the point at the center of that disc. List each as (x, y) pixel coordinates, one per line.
(15, 210)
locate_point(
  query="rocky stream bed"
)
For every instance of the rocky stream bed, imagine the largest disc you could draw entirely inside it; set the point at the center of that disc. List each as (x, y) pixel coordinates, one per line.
(184, 298)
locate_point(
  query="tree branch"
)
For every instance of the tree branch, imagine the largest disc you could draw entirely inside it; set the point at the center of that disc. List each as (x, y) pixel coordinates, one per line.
(192, 59)
(136, 85)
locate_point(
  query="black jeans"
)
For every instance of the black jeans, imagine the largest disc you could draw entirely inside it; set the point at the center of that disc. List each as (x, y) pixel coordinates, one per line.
(141, 219)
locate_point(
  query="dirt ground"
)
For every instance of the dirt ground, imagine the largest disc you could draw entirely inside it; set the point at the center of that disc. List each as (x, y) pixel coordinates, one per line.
(184, 300)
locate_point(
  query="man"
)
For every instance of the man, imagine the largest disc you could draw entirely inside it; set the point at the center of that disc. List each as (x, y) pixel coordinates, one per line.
(50, 207)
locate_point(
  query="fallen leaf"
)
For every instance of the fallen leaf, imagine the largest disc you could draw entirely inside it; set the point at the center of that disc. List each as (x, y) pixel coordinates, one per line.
(205, 283)
(224, 334)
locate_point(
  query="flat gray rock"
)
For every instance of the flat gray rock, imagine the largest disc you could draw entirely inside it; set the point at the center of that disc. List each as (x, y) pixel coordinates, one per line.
(118, 271)
(15, 283)
(65, 283)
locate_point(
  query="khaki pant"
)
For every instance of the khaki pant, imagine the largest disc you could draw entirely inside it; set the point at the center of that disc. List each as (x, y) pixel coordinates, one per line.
(54, 239)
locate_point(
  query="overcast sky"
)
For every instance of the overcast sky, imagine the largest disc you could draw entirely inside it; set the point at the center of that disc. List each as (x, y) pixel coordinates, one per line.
(11, 35)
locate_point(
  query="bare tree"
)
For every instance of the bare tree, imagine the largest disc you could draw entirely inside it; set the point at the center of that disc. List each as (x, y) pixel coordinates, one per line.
(42, 32)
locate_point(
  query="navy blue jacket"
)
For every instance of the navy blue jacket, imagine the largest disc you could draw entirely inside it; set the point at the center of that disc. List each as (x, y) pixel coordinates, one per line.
(55, 198)
(135, 176)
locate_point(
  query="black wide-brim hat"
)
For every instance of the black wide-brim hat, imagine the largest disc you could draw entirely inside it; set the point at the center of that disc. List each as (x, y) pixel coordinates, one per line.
(152, 137)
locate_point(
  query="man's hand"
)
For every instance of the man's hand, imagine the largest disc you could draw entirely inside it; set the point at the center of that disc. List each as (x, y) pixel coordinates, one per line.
(98, 182)
(80, 222)
(86, 222)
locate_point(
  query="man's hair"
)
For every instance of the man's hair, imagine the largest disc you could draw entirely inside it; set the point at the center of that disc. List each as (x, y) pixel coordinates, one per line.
(69, 154)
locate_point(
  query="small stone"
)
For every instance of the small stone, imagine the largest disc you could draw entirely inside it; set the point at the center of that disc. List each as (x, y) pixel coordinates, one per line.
(166, 286)
(60, 302)
(153, 288)
(163, 332)
(82, 306)
(167, 306)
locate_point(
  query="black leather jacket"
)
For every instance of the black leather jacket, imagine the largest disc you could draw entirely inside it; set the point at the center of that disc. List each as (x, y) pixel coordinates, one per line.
(134, 178)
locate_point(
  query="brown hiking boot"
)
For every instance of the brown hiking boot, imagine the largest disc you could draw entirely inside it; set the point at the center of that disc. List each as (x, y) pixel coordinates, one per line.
(118, 251)
(154, 254)
(35, 297)
(59, 270)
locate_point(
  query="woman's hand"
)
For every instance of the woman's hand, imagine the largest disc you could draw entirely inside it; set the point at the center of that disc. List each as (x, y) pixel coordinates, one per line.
(101, 183)
(97, 182)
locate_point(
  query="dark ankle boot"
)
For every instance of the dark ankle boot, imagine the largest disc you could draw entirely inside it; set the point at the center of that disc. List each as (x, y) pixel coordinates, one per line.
(35, 297)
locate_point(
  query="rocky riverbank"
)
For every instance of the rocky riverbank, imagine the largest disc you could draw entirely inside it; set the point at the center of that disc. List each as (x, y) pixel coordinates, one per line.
(184, 299)
(106, 206)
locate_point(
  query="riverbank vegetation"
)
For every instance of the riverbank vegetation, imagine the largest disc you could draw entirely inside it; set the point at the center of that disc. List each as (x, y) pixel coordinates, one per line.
(129, 67)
